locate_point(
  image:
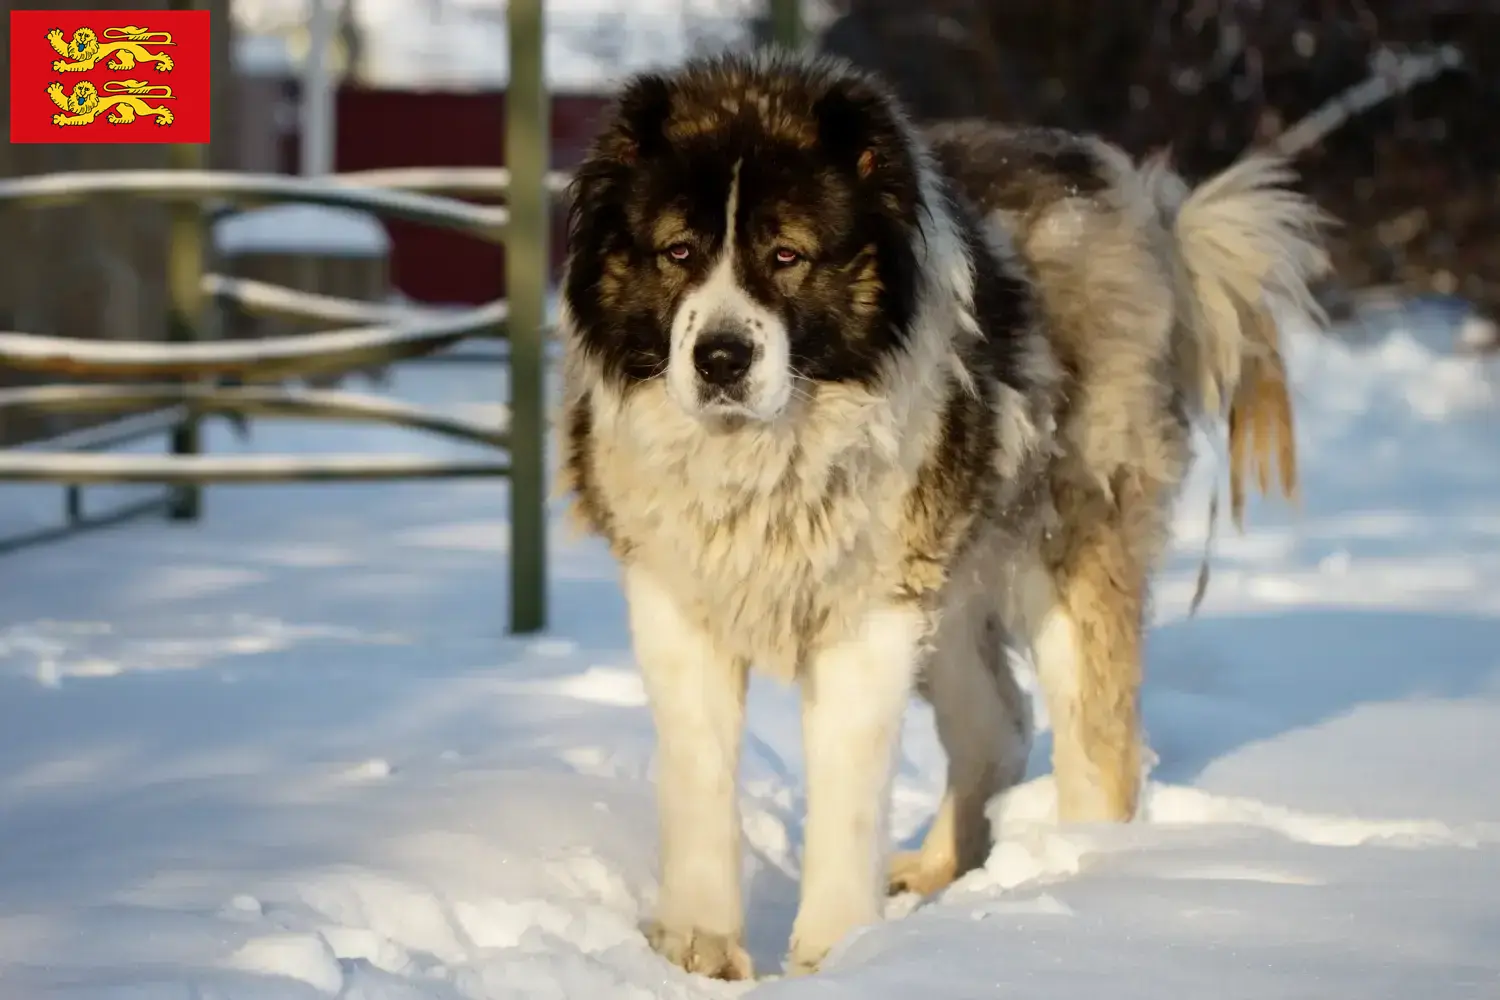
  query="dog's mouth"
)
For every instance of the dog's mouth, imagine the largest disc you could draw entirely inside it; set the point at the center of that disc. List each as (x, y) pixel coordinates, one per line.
(720, 408)
(726, 411)
(736, 407)
(716, 400)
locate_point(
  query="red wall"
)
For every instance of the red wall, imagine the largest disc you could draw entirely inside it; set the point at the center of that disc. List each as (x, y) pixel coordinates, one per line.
(397, 128)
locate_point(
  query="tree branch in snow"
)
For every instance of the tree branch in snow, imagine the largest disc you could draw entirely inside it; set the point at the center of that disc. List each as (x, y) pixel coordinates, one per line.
(1391, 75)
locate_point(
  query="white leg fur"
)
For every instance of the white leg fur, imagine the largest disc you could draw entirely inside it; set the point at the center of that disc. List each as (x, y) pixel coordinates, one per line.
(932, 867)
(698, 704)
(985, 729)
(1081, 796)
(854, 694)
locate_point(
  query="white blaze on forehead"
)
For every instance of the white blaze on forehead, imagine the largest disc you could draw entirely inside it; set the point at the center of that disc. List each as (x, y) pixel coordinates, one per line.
(722, 304)
(721, 301)
(732, 207)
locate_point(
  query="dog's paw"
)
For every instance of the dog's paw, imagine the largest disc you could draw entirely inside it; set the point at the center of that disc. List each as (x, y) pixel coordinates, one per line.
(804, 960)
(911, 872)
(717, 956)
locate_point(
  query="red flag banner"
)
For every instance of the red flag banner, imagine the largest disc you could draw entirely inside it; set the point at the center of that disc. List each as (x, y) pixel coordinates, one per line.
(109, 76)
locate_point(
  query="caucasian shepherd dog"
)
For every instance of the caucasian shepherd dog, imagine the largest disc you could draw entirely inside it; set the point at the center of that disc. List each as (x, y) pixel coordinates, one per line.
(859, 406)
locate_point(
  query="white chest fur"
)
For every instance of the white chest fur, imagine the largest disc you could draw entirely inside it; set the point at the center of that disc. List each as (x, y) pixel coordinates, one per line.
(774, 537)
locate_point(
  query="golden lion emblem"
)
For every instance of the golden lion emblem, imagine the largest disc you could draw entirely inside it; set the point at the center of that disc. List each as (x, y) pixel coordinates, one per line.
(127, 98)
(82, 53)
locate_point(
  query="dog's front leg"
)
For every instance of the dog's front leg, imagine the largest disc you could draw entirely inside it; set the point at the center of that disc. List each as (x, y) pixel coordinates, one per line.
(697, 701)
(854, 693)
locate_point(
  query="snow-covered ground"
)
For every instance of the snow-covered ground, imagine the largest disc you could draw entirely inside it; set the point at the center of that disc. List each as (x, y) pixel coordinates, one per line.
(290, 752)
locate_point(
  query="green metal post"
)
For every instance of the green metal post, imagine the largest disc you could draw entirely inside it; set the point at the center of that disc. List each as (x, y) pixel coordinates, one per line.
(527, 148)
(185, 301)
(185, 316)
(787, 28)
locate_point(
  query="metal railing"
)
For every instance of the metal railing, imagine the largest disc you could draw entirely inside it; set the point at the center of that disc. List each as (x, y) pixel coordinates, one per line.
(173, 385)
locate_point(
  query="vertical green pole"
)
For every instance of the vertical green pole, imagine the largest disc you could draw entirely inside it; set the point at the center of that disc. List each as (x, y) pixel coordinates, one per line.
(184, 306)
(184, 273)
(786, 23)
(527, 148)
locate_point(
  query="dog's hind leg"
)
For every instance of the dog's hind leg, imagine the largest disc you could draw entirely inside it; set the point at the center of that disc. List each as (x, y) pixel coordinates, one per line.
(1086, 630)
(984, 725)
(697, 701)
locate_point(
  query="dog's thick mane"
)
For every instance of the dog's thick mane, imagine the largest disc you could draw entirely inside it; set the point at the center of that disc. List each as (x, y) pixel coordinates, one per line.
(815, 500)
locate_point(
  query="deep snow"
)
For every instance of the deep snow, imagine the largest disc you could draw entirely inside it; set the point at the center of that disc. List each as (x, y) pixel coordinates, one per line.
(290, 752)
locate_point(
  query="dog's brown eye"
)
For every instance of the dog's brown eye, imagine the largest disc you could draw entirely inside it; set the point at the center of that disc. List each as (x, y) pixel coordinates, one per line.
(679, 252)
(786, 256)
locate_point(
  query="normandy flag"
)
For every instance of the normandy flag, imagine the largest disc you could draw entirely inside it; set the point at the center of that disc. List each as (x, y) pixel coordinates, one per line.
(109, 76)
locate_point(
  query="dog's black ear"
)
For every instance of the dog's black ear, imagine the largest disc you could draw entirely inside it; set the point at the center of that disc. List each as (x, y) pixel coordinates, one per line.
(859, 127)
(640, 115)
(632, 130)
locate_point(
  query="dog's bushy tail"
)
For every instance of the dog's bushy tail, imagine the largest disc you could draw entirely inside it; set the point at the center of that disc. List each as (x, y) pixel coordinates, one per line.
(1246, 247)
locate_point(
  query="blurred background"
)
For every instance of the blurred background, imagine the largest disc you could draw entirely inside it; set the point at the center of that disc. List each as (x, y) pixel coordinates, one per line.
(296, 749)
(1402, 144)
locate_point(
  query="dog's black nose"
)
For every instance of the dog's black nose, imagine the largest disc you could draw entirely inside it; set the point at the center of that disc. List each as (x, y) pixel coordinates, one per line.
(722, 359)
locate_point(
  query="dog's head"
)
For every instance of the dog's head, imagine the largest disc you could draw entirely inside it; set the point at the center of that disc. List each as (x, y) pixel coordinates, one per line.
(745, 229)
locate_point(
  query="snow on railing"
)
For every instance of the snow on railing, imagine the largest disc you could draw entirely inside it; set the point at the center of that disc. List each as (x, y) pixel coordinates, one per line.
(309, 230)
(185, 368)
(485, 221)
(265, 298)
(256, 400)
(447, 180)
(299, 354)
(75, 468)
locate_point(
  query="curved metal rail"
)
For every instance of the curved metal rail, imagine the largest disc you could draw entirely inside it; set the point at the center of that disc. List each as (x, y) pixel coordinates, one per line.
(95, 468)
(266, 299)
(256, 360)
(375, 334)
(452, 181)
(261, 401)
(486, 221)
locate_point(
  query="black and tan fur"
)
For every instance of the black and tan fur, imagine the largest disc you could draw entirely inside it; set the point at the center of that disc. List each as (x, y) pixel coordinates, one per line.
(858, 407)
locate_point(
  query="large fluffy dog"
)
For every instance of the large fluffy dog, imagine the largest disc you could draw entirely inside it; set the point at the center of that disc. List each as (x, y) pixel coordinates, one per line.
(859, 406)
